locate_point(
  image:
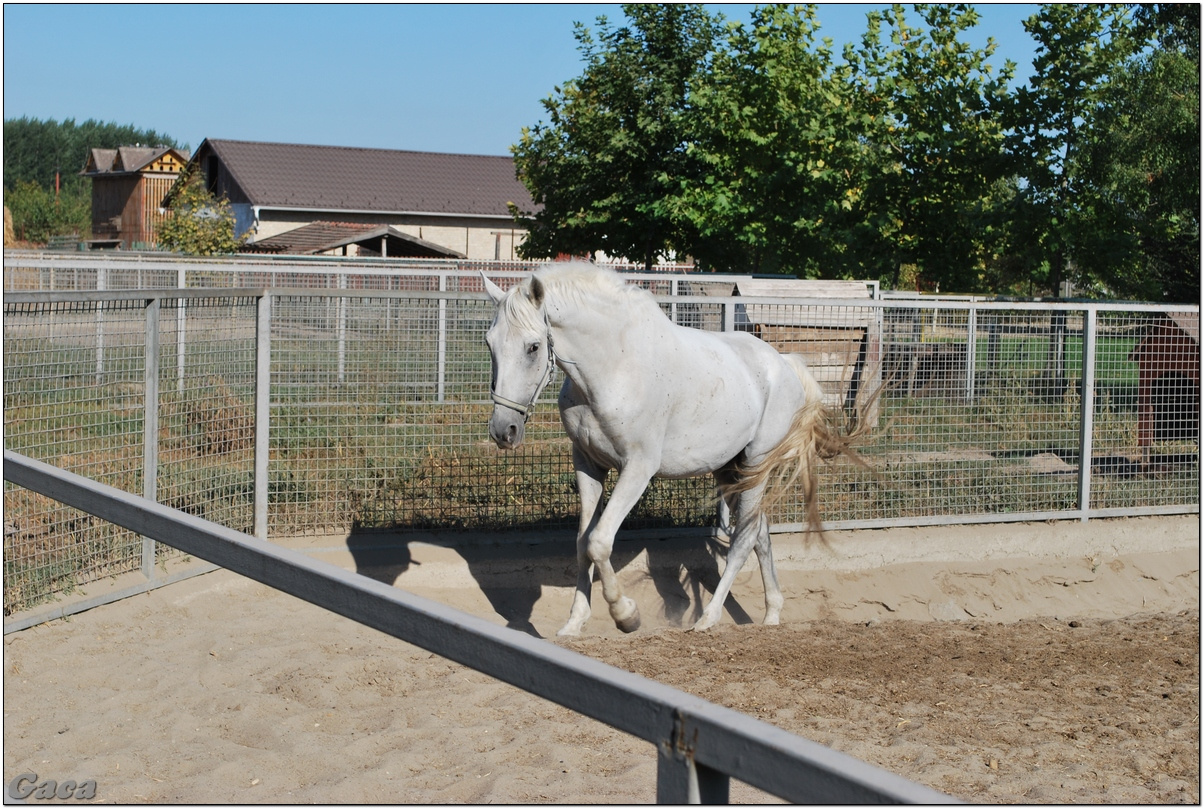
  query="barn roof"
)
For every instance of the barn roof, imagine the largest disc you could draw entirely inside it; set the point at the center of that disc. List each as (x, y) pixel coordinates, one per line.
(340, 178)
(1169, 326)
(1189, 322)
(319, 237)
(126, 159)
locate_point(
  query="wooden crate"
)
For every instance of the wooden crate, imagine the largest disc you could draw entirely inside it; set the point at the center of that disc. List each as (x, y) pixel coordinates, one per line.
(840, 342)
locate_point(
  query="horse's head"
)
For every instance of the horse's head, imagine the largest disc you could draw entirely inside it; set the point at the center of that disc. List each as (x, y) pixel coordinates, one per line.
(519, 347)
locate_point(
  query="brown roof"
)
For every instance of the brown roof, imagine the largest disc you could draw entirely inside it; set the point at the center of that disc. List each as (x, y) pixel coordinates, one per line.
(1189, 322)
(124, 159)
(283, 175)
(321, 236)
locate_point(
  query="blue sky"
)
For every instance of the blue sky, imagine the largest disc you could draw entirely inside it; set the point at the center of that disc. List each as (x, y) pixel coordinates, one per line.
(441, 78)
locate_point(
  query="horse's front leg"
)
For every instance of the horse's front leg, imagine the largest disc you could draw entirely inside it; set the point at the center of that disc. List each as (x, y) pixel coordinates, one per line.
(590, 480)
(632, 482)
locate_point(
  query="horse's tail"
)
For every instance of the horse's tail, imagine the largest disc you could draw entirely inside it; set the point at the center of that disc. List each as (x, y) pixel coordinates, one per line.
(816, 432)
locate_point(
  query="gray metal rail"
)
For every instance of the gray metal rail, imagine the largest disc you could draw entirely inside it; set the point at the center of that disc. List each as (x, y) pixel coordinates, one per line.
(699, 745)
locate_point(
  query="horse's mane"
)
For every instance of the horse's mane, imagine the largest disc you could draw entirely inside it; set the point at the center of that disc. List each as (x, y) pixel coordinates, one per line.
(575, 282)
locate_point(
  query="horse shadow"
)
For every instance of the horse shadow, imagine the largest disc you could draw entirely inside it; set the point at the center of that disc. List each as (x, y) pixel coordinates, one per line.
(684, 569)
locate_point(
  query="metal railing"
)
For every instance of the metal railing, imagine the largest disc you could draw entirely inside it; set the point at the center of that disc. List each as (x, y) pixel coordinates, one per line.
(29, 271)
(285, 411)
(700, 746)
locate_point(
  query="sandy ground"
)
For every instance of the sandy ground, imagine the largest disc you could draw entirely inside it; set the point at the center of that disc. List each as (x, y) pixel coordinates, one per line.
(1034, 663)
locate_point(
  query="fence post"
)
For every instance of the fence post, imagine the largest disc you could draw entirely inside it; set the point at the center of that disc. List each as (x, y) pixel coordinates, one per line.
(1087, 408)
(181, 282)
(389, 286)
(1056, 357)
(682, 780)
(441, 344)
(263, 400)
(150, 424)
(100, 328)
(341, 310)
(971, 350)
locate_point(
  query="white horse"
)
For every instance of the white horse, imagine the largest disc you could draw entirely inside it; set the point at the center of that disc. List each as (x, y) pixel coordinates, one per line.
(650, 398)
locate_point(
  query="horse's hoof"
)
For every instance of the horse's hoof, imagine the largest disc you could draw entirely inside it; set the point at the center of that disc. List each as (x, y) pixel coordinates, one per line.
(704, 623)
(629, 624)
(626, 615)
(571, 629)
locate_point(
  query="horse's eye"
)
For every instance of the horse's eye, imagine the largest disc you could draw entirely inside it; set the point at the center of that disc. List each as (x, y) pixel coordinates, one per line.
(531, 349)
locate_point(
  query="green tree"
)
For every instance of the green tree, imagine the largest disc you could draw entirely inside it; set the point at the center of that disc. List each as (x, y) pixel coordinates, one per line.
(615, 145)
(34, 150)
(1143, 163)
(199, 224)
(853, 168)
(908, 160)
(777, 150)
(933, 106)
(1056, 222)
(759, 151)
(38, 214)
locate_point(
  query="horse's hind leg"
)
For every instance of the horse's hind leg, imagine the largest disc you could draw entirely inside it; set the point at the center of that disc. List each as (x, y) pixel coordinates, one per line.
(724, 511)
(749, 523)
(769, 574)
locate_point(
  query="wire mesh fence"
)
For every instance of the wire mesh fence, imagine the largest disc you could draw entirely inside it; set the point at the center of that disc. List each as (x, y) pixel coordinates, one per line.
(73, 377)
(206, 408)
(377, 402)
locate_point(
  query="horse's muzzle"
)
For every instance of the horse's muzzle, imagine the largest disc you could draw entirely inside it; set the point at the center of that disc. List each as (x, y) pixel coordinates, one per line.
(506, 428)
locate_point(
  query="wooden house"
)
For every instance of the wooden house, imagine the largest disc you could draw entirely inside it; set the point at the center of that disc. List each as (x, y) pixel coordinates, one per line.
(291, 197)
(842, 344)
(1168, 380)
(128, 186)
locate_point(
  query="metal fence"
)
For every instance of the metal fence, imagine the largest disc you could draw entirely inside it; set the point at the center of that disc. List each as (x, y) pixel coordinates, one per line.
(31, 270)
(699, 746)
(285, 411)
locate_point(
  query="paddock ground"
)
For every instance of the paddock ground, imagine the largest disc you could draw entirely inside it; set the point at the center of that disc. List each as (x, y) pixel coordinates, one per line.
(1015, 663)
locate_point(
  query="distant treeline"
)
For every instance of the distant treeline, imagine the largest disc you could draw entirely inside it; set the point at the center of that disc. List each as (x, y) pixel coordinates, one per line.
(35, 150)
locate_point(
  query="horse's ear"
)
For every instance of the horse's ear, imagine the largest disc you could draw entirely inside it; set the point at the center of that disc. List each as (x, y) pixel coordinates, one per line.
(495, 292)
(536, 293)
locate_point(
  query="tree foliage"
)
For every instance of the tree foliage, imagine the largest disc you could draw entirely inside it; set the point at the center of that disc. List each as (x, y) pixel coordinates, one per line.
(932, 104)
(1052, 122)
(770, 121)
(615, 144)
(34, 150)
(37, 214)
(1143, 163)
(846, 168)
(754, 147)
(199, 224)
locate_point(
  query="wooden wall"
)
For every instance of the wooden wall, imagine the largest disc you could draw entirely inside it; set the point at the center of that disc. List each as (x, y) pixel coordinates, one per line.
(128, 207)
